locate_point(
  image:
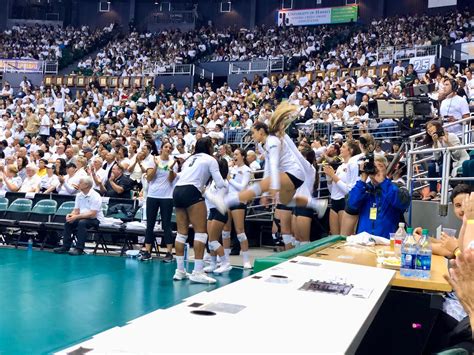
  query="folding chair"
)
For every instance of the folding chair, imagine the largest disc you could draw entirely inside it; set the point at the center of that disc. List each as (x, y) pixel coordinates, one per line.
(56, 224)
(40, 214)
(18, 210)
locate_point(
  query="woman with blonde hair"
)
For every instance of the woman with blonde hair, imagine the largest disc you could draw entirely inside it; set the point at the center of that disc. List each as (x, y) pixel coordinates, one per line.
(285, 168)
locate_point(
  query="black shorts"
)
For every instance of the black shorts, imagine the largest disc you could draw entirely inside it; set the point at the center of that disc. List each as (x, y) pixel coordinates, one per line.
(351, 211)
(240, 206)
(186, 196)
(303, 212)
(283, 207)
(338, 205)
(215, 215)
(297, 182)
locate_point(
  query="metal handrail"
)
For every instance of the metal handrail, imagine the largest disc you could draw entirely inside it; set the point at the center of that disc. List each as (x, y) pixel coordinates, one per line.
(447, 125)
(445, 178)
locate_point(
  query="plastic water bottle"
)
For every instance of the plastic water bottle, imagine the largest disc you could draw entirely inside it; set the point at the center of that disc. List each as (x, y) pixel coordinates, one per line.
(400, 236)
(30, 244)
(408, 255)
(423, 258)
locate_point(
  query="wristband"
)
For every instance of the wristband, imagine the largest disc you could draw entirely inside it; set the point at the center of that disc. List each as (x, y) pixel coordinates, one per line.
(470, 221)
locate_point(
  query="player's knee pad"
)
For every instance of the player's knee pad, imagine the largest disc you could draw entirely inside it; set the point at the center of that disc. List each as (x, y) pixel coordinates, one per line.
(214, 245)
(201, 237)
(242, 237)
(181, 238)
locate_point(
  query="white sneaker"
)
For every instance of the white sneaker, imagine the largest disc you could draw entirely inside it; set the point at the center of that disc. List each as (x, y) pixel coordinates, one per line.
(180, 275)
(223, 268)
(201, 277)
(321, 207)
(210, 268)
(247, 265)
(218, 201)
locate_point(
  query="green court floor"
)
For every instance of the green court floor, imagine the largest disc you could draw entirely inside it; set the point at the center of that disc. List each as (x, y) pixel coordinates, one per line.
(49, 302)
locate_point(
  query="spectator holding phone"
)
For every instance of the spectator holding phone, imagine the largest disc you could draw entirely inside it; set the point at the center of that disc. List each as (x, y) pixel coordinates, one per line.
(437, 137)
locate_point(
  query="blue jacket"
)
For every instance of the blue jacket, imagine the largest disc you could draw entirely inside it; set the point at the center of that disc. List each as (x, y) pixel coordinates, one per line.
(390, 200)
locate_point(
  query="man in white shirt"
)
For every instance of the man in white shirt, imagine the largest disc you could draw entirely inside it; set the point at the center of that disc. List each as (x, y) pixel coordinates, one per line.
(453, 107)
(87, 213)
(364, 84)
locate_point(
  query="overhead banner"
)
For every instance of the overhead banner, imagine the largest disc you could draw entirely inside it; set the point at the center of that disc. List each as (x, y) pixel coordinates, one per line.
(422, 64)
(322, 16)
(441, 3)
(21, 65)
(467, 51)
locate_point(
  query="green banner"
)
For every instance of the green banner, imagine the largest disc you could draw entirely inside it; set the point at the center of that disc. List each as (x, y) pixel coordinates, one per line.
(344, 14)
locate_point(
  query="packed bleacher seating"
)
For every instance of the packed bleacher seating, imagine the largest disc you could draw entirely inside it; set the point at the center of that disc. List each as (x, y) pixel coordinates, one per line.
(305, 48)
(52, 43)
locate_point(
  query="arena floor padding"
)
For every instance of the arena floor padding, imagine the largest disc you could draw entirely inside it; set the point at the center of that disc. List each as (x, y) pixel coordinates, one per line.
(49, 302)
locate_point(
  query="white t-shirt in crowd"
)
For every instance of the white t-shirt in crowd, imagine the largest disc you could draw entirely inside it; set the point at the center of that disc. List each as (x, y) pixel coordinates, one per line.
(454, 106)
(364, 81)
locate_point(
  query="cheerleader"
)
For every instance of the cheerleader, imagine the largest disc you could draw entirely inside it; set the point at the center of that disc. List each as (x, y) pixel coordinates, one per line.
(240, 174)
(215, 224)
(285, 169)
(191, 208)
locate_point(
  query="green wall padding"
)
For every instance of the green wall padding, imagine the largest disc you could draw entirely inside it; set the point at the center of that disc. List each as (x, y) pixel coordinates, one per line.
(277, 258)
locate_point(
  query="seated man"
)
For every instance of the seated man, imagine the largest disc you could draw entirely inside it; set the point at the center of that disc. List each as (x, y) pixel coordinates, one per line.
(379, 203)
(117, 185)
(87, 213)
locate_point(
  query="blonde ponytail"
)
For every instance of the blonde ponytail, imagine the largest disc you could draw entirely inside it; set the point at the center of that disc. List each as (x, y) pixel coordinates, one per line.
(284, 114)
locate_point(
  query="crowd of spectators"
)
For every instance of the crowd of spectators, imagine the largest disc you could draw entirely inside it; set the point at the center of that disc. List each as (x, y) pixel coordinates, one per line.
(305, 48)
(48, 42)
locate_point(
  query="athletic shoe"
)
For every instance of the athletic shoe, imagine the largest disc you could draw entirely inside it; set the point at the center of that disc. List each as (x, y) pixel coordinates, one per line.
(321, 207)
(144, 256)
(168, 258)
(218, 201)
(180, 275)
(201, 277)
(210, 268)
(223, 268)
(247, 265)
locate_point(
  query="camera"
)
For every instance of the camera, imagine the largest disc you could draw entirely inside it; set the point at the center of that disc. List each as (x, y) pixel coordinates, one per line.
(440, 133)
(369, 164)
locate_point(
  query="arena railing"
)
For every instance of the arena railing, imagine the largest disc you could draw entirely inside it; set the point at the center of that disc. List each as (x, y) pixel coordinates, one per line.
(392, 54)
(240, 137)
(446, 173)
(174, 69)
(257, 66)
(389, 131)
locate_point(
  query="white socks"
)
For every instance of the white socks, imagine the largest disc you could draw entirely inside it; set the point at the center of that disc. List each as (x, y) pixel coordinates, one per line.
(180, 262)
(245, 256)
(198, 265)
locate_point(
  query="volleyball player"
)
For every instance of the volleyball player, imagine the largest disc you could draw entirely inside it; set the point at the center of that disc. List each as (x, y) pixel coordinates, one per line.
(190, 207)
(303, 216)
(215, 225)
(160, 176)
(240, 174)
(285, 169)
